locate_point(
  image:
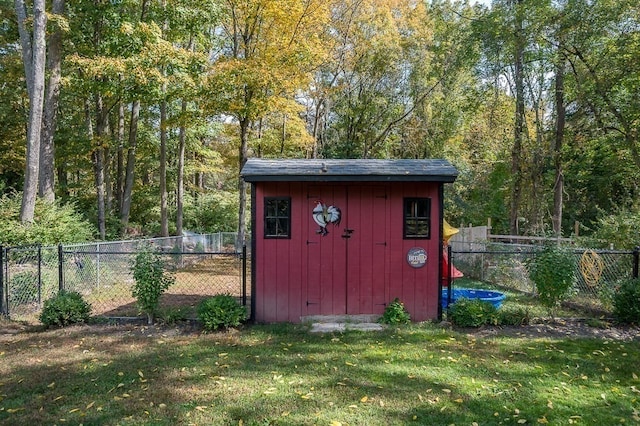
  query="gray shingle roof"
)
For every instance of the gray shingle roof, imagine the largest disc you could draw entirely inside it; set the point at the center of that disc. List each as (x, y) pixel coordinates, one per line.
(431, 170)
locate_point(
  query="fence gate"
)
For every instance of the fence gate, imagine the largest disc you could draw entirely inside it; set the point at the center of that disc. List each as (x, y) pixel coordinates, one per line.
(29, 276)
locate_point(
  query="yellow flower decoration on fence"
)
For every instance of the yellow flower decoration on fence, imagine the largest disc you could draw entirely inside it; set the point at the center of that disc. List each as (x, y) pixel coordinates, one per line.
(591, 267)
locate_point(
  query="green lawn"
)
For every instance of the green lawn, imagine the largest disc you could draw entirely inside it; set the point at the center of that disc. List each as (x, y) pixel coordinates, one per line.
(284, 375)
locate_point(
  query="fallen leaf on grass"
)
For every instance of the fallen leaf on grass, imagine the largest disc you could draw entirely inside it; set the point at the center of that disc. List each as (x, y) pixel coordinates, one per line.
(364, 399)
(14, 410)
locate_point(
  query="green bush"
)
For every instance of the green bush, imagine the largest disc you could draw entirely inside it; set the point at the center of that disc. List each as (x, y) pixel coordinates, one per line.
(626, 302)
(513, 316)
(621, 228)
(395, 313)
(472, 313)
(552, 270)
(151, 280)
(213, 212)
(52, 224)
(64, 309)
(222, 310)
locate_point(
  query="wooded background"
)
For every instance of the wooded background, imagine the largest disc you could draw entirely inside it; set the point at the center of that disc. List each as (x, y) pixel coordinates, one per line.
(138, 114)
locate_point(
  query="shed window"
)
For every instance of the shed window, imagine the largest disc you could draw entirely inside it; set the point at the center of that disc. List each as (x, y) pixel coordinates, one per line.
(417, 218)
(277, 217)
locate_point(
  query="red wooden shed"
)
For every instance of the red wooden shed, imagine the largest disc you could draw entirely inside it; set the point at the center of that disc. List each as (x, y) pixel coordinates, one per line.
(345, 237)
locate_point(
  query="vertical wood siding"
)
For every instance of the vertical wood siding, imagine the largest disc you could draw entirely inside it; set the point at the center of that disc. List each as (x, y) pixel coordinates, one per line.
(311, 274)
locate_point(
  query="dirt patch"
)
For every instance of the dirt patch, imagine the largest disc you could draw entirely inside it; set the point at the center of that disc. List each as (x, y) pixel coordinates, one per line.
(560, 329)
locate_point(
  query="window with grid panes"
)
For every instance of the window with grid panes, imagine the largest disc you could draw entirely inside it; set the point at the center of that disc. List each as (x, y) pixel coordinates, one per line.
(417, 218)
(277, 217)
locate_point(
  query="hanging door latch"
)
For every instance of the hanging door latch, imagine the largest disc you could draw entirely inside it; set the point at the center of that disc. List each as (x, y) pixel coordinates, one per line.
(347, 233)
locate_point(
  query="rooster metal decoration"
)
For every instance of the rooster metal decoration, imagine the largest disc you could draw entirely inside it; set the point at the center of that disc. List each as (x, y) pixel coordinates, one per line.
(324, 215)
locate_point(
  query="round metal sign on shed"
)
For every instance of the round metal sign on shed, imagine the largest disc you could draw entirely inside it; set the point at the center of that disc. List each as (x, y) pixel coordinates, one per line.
(417, 257)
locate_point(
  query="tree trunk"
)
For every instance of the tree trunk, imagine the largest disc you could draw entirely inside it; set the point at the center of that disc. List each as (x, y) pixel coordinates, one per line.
(107, 156)
(46, 187)
(516, 151)
(558, 187)
(242, 185)
(97, 158)
(131, 160)
(164, 216)
(120, 159)
(164, 219)
(33, 56)
(180, 189)
(63, 182)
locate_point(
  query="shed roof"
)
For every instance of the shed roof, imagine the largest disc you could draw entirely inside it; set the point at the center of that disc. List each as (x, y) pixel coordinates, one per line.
(270, 170)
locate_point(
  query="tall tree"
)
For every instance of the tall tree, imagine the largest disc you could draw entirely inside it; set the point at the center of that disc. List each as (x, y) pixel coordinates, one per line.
(518, 130)
(125, 208)
(33, 55)
(560, 109)
(46, 187)
(271, 47)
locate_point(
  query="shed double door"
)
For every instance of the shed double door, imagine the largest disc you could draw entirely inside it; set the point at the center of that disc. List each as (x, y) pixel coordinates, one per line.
(346, 267)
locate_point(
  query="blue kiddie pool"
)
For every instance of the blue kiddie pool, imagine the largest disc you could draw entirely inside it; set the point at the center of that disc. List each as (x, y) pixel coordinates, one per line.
(493, 297)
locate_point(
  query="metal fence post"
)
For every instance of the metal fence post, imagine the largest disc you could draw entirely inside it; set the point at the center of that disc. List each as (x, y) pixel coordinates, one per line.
(244, 275)
(39, 274)
(7, 280)
(449, 280)
(60, 268)
(2, 307)
(636, 260)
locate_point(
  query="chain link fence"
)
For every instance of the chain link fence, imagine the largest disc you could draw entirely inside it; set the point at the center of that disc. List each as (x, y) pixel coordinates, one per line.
(597, 272)
(29, 277)
(203, 266)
